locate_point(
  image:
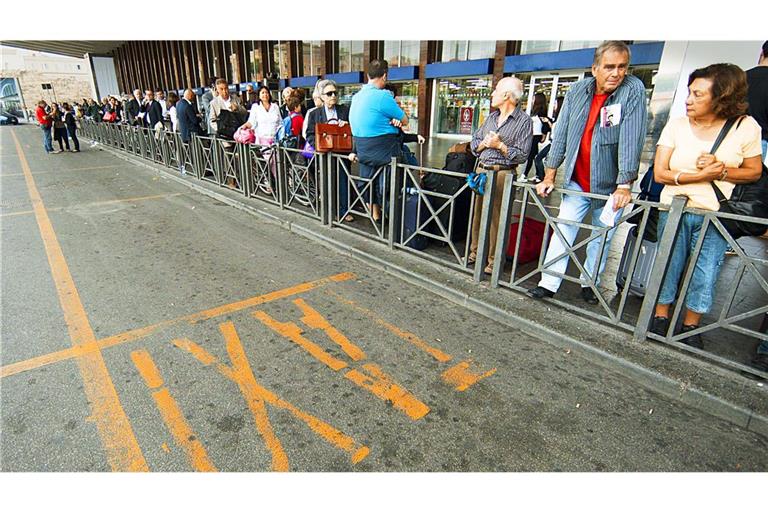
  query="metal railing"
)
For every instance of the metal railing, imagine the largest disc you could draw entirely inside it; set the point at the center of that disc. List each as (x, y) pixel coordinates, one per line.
(430, 212)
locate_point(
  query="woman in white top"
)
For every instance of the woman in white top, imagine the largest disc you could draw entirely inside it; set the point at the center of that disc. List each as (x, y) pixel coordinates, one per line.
(684, 165)
(173, 98)
(264, 118)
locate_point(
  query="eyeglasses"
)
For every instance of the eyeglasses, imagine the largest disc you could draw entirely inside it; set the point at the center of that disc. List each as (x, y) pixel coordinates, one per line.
(330, 93)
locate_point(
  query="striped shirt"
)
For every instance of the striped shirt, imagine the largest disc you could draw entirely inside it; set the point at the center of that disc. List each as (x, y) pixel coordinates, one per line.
(516, 133)
(615, 156)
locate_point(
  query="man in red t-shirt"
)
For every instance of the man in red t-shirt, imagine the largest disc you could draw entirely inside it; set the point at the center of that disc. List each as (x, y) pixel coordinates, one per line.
(598, 137)
(45, 120)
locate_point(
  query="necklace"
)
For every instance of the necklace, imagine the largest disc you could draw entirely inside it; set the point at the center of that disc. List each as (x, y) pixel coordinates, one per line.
(707, 126)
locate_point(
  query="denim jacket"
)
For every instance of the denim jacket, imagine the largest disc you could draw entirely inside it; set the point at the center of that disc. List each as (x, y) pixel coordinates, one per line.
(616, 150)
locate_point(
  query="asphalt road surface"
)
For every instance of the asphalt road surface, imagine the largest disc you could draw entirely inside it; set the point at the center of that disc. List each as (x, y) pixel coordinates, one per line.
(149, 328)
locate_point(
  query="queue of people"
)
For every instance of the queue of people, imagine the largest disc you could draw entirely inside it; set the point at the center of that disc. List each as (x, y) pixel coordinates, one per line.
(595, 136)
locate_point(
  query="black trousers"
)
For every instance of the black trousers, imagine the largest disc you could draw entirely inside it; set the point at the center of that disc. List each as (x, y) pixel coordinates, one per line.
(60, 135)
(532, 154)
(72, 131)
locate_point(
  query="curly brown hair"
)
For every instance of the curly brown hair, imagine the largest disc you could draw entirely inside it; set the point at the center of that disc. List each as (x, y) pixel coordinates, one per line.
(729, 88)
(293, 101)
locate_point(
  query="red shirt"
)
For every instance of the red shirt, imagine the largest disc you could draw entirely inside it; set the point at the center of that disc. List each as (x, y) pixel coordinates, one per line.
(581, 172)
(41, 117)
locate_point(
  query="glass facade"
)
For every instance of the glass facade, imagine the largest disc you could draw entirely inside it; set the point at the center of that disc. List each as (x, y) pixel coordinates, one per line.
(312, 58)
(553, 46)
(351, 56)
(402, 53)
(280, 58)
(461, 105)
(346, 92)
(408, 99)
(467, 50)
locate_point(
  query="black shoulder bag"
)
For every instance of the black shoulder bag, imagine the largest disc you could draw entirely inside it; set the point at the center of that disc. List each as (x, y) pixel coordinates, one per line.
(749, 199)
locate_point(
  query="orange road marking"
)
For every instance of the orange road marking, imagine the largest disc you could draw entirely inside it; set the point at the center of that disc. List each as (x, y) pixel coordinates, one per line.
(253, 390)
(171, 413)
(315, 320)
(381, 385)
(62, 171)
(372, 379)
(142, 332)
(294, 333)
(114, 427)
(97, 203)
(461, 378)
(437, 354)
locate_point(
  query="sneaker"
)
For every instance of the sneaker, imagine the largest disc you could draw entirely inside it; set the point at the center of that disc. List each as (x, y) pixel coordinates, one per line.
(692, 341)
(522, 179)
(75, 150)
(535, 180)
(660, 325)
(56, 151)
(540, 293)
(588, 296)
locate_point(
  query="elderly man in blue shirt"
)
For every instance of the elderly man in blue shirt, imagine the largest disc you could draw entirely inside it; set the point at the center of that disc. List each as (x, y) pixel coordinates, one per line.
(375, 119)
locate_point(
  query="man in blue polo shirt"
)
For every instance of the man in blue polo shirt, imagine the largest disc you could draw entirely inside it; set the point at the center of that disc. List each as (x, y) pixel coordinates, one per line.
(375, 119)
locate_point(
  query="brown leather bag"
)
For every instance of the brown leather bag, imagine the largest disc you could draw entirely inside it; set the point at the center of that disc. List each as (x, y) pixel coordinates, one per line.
(330, 137)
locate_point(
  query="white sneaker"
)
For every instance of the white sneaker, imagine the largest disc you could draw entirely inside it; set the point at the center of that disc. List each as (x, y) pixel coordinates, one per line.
(522, 179)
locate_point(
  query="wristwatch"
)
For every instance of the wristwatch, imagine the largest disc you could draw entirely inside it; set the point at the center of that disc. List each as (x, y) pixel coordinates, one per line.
(625, 186)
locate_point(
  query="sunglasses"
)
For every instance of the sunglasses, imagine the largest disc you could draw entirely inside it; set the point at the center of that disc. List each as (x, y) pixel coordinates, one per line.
(330, 93)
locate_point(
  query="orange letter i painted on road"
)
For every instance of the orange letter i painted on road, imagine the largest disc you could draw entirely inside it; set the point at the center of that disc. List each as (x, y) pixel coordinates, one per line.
(171, 412)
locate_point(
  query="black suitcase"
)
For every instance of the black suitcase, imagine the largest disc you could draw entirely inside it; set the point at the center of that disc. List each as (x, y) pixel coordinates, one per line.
(448, 185)
(643, 268)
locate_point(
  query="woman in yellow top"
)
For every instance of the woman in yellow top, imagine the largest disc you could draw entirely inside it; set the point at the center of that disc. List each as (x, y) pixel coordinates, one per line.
(684, 165)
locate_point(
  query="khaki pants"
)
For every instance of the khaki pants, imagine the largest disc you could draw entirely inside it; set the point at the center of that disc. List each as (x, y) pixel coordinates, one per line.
(501, 177)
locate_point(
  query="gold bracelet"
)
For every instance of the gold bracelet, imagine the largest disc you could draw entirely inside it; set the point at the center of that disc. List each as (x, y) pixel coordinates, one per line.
(677, 178)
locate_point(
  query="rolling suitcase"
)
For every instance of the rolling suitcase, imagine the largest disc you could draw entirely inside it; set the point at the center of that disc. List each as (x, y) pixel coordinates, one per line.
(411, 221)
(530, 240)
(645, 259)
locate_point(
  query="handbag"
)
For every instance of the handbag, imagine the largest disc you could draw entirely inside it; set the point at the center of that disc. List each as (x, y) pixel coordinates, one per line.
(245, 136)
(227, 124)
(308, 152)
(333, 138)
(749, 199)
(110, 116)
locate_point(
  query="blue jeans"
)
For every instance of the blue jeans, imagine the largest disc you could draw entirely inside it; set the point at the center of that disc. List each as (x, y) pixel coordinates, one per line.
(701, 290)
(377, 187)
(765, 148)
(575, 208)
(47, 141)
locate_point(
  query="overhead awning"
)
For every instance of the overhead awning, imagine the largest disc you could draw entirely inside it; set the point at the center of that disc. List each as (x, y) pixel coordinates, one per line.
(69, 48)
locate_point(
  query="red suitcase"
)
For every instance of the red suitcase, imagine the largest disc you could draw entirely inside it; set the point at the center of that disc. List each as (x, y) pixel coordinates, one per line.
(530, 241)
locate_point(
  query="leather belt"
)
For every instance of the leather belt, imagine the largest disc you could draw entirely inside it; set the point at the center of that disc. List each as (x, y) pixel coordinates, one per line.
(497, 167)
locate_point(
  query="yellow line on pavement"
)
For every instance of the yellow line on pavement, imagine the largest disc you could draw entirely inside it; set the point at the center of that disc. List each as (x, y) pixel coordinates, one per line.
(122, 448)
(61, 171)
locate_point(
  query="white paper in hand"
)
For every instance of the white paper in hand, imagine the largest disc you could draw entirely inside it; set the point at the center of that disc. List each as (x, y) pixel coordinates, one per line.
(608, 216)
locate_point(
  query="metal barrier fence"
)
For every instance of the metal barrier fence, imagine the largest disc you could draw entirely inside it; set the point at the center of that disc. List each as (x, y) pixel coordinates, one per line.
(430, 213)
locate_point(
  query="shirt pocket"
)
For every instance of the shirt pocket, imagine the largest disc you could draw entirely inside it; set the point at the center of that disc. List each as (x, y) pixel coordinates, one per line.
(608, 135)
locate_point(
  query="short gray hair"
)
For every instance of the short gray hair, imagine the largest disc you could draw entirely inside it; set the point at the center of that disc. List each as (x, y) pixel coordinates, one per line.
(607, 46)
(322, 84)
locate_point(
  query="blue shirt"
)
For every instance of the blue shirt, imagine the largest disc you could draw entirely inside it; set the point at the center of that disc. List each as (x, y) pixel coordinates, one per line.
(371, 112)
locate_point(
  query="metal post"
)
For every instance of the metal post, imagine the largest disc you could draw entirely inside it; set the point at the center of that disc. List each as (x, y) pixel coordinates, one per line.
(666, 243)
(321, 188)
(392, 200)
(505, 220)
(485, 226)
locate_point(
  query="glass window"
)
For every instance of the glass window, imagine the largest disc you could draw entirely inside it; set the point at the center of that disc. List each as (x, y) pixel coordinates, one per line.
(280, 56)
(408, 99)
(454, 50)
(347, 91)
(481, 50)
(392, 53)
(579, 45)
(358, 56)
(409, 53)
(311, 58)
(255, 67)
(539, 46)
(462, 104)
(648, 76)
(345, 62)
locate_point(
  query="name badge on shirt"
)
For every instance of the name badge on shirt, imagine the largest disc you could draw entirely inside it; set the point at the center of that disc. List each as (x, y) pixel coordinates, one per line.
(610, 115)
